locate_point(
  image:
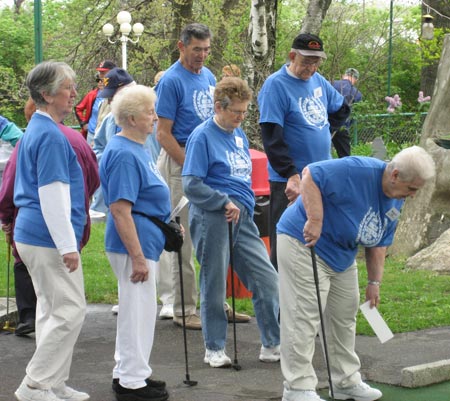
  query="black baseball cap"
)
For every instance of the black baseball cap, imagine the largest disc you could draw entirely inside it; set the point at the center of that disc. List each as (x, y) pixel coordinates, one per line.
(309, 45)
(105, 65)
(114, 79)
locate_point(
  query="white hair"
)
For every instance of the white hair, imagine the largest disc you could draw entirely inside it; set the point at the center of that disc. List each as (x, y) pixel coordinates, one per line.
(412, 163)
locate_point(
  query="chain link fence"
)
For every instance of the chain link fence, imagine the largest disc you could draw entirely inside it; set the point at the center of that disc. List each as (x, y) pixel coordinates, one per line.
(400, 128)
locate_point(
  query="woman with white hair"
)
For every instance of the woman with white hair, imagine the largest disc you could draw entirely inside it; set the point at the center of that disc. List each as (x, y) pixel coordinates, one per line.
(49, 194)
(344, 203)
(133, 188)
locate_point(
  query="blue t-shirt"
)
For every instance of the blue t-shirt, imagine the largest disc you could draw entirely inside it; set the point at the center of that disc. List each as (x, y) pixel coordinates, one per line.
(185, 98)
(301, 108)
(92, 123)
(127, 172)
(45, 156)
(222, 160)
(356, 210)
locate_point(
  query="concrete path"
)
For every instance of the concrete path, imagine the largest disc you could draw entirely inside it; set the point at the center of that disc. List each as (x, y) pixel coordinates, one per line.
(257, 381)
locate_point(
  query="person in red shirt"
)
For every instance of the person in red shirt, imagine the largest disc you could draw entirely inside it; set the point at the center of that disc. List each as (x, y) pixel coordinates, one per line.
(84, 109)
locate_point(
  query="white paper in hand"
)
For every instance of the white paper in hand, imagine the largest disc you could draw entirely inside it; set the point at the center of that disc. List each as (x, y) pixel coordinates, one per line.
(181, 204)
(377, 323)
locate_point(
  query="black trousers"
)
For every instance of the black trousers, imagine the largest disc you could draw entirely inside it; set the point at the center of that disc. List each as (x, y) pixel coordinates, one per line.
(278, 204)
(341, 142)
(25, 295)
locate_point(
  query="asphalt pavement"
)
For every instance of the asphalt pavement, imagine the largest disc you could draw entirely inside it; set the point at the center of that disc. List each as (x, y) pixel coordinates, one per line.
(382, 364)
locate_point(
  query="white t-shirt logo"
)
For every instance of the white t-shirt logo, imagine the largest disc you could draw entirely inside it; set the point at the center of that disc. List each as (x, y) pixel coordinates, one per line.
(240, 164)
(203, 103)
(314, 111)
(371, 229)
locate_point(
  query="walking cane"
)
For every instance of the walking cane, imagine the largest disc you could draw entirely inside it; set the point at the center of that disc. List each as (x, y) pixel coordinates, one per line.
(322, 322)
(235, 364)
(7, 326)
(188, 380)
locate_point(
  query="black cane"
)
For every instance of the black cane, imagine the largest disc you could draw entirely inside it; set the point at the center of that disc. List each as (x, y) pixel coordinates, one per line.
(188, 380)
(235, 364)
(322, 322)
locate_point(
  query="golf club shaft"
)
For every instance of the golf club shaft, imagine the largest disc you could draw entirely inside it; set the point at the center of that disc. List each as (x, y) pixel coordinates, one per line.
(322, 322)
(180, 268)
(230, 237)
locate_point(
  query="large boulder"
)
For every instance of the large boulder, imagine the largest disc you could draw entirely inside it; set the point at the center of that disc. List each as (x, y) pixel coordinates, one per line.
(436, 257)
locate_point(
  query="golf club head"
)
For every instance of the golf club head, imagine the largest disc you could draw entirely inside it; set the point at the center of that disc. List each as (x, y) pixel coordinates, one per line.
(190, 383)
(236, 366)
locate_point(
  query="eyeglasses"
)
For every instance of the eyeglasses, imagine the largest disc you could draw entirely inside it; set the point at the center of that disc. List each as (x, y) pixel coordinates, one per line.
(304, 62)
(239, 113)
(71, 88)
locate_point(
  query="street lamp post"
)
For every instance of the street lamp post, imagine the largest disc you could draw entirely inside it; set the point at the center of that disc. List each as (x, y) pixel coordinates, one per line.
(124, 20)
(391, 20)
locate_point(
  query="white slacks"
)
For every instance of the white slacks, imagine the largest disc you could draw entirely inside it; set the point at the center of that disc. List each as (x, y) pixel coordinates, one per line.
(135, 322)
(300, 320)
(60, 312)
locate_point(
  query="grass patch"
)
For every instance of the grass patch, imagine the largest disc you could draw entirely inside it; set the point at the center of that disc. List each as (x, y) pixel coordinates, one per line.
(410, 299)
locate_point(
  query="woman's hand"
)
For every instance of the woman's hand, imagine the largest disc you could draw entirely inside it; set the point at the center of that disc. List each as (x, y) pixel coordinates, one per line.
(312, 231)
(140, 269)
(7, 229)
(373, 294)
(232, 212)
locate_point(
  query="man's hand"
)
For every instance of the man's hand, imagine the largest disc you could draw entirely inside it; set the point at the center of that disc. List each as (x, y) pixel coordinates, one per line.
(71, 260)
(232, 212)
(140, 269)
(7, 229)
(292, 190)
(373, 294)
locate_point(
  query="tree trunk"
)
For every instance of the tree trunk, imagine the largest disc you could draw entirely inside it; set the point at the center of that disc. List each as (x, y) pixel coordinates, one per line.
(182, 15)
(427, 216)
(315, 14)
(429, 71)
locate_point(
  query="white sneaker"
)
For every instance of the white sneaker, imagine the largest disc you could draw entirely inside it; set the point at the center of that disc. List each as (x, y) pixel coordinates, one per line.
(67, 393)
(217, 359)
(271, 354)
(300, 395)
(359, 392)
(94, 215)
(115, 309)
(166, 311)
(26, 393)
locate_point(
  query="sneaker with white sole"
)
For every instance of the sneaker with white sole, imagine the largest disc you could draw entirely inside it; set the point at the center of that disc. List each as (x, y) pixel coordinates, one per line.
(166, 311)
(300, 395)
(67, 393)
(115, 309)
(26, 393)
(271, 354)
(217, 359)
(359, 392)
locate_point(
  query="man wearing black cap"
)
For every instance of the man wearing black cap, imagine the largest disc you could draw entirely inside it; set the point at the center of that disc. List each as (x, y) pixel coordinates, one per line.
(295, 103)
(346, 87)
(86, 110)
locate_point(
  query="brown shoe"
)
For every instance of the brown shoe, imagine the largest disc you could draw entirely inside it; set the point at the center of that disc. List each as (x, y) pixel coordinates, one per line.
(193, 322)
(239, 317)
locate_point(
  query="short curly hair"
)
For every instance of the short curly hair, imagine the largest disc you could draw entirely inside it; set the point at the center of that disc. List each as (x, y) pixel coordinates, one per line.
(230, 89)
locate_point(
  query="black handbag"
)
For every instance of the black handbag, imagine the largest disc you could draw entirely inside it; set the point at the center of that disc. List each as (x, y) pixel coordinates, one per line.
(172, 231)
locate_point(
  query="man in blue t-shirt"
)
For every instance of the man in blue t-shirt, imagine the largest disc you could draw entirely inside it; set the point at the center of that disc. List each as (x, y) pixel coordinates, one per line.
(340, 134)
(185, 99)
(295, 104)
(345, 203)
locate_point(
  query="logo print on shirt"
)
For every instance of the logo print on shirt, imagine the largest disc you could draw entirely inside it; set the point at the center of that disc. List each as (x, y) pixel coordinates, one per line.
(371, 229)
(203, 104)
(240, 164)
(313, 110)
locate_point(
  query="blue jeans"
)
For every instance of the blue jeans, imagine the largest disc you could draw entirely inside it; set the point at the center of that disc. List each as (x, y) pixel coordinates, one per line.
(209, 231)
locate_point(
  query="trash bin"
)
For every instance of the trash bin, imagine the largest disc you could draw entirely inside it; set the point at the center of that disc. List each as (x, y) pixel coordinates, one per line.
(260, 185)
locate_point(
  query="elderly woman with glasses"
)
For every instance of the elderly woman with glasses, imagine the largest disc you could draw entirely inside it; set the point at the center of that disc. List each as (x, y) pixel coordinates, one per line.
(133, 190)
(217, 181)
(49, 194)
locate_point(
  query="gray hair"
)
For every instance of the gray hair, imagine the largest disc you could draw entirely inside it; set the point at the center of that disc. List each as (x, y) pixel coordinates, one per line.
(130, 101)
(47, 77)
(412, 163)
(195, 30)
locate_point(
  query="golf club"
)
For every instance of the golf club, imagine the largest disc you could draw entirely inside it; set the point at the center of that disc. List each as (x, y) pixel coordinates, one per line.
(7, 326)
(322, 322)
(188, 380)
(235, 364)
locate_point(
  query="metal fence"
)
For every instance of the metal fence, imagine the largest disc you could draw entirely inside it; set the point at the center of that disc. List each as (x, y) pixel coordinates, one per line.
(400, 128)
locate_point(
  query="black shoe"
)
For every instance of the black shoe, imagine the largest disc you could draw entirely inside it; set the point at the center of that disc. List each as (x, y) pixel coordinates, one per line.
(159, 384)
(24, 328)
(146, 393)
